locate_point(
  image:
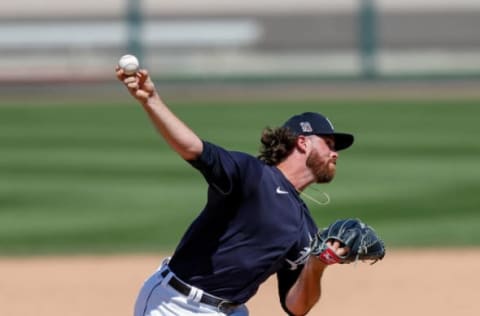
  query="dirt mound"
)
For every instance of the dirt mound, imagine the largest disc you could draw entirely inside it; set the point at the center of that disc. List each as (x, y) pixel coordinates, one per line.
(420, 282)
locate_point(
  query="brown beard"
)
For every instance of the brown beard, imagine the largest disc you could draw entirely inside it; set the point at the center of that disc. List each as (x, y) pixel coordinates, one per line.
(323, 169)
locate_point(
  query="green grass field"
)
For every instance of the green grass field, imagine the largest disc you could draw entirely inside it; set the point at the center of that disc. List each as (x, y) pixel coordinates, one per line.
(96, 178)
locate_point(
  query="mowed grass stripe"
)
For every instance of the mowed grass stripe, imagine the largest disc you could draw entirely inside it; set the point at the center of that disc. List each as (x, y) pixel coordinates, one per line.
(97, 177)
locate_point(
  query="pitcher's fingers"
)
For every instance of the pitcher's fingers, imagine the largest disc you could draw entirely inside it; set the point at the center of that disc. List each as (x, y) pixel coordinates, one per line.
(141, 94)
(142, 75)
(342, 251)
(336, 244)
(132, 85)
(119, 73)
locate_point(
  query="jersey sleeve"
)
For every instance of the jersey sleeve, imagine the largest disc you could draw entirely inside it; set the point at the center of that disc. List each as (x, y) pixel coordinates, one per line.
(286, 278)
(218, 167)
(295, 261)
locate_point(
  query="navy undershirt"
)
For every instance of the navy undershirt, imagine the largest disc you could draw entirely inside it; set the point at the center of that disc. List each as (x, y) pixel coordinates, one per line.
(253, 225)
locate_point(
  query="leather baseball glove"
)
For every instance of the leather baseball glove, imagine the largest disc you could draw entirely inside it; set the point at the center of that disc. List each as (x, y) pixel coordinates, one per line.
(360, 239)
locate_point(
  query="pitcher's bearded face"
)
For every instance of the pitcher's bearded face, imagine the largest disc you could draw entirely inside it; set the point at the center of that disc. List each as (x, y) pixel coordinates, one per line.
(322, 160)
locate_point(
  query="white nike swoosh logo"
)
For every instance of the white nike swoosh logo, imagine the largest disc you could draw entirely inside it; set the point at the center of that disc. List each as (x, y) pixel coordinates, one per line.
(280, 191)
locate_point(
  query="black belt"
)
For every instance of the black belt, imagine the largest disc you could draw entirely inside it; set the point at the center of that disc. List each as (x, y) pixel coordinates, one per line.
(185, 289)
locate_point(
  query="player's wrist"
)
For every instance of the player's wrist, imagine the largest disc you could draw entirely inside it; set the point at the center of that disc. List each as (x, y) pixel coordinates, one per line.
(316, 264)
(151, 100)
(328, 256)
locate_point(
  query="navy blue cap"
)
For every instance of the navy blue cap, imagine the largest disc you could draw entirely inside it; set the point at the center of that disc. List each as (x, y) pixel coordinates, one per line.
(310, 123)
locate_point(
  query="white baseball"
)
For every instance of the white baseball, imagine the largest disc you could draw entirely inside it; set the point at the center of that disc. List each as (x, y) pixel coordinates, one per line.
(129, 64)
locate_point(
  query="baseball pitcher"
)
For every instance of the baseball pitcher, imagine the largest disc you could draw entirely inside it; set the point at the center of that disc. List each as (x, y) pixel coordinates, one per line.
(254, 223)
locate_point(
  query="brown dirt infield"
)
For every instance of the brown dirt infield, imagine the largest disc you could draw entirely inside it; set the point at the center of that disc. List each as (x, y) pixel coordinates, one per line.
(406, 282)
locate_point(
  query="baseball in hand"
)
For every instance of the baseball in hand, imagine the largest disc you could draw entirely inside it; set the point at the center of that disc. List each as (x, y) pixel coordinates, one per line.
(129, 64)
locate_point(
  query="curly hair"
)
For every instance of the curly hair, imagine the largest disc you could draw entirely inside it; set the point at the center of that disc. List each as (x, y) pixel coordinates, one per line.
(277, 144)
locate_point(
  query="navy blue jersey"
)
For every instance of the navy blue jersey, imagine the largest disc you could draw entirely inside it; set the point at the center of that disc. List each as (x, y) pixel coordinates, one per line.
(253, 225)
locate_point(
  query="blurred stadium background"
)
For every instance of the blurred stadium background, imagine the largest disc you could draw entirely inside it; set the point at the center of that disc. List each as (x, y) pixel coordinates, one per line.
(403, 75)
(54, 39)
